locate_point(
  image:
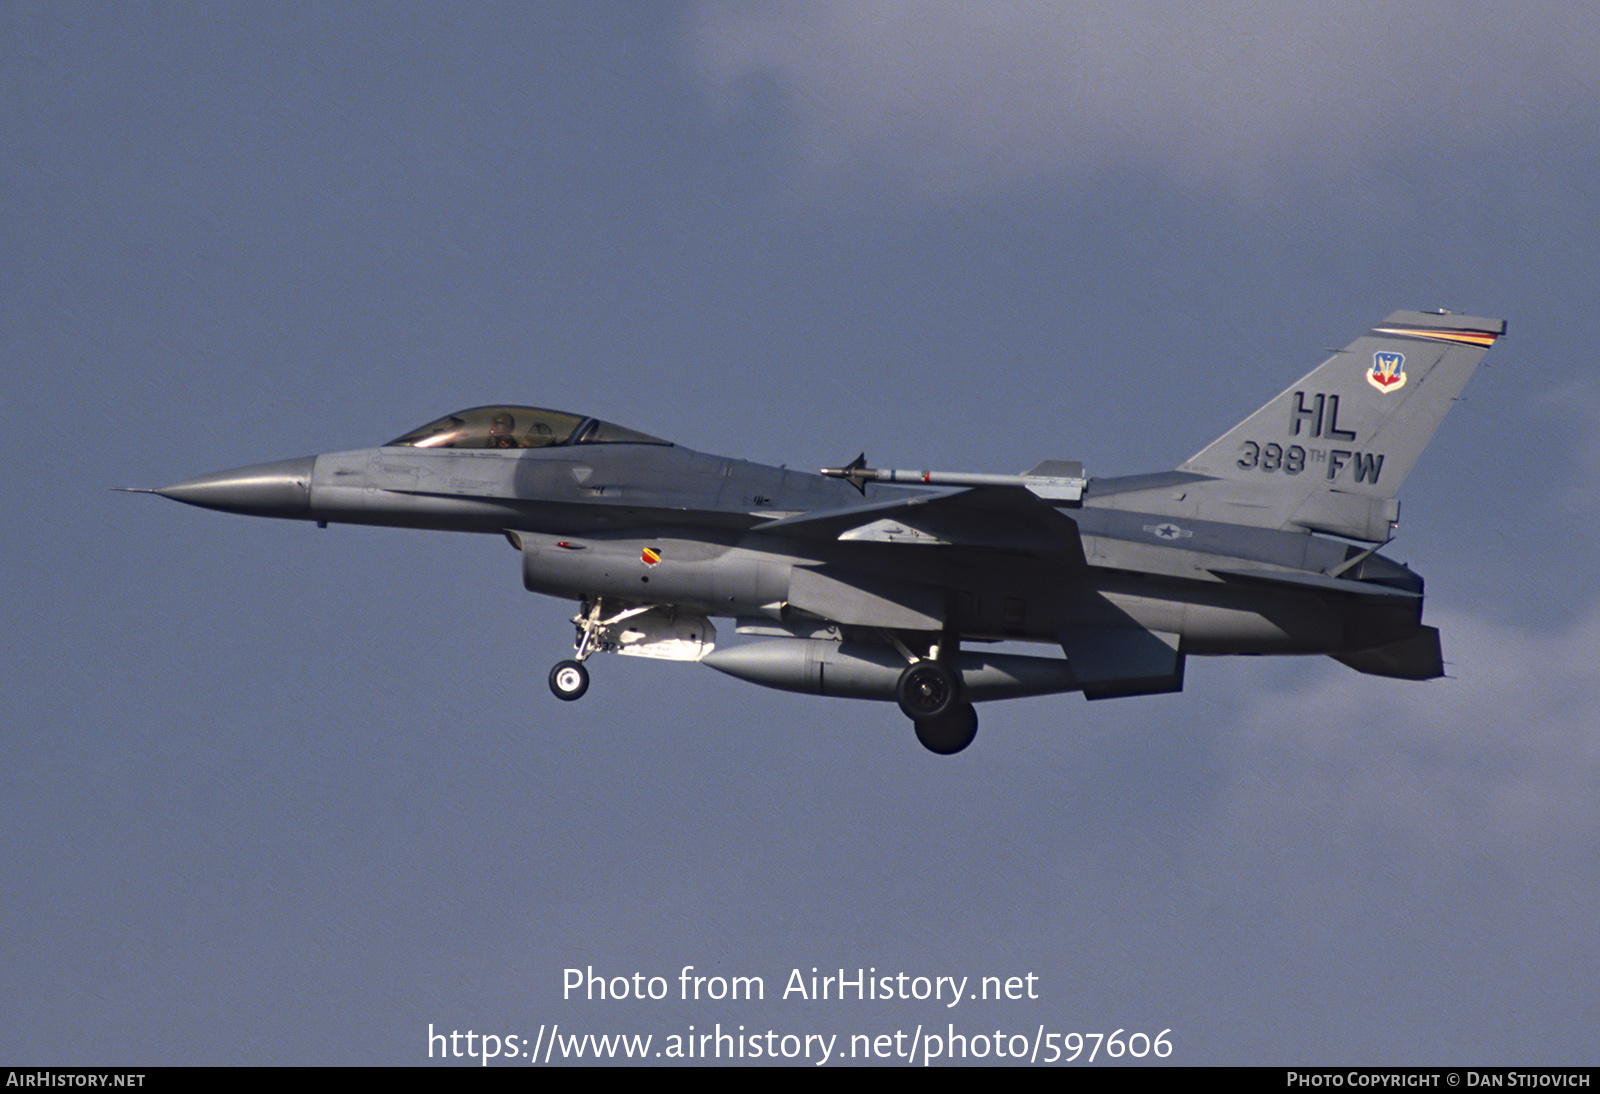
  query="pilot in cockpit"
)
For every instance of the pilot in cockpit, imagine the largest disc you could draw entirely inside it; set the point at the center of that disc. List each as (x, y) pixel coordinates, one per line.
(500, 431)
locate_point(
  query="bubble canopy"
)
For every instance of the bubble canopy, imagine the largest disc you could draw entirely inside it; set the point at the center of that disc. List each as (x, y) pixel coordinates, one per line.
(518, 427)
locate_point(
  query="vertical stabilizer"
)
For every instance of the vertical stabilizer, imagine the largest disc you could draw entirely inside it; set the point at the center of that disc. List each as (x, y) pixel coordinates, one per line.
(1333, 450)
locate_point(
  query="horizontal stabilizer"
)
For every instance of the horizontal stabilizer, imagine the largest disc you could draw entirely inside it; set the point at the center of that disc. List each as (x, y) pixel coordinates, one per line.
(1319, 583)
(1419, 657)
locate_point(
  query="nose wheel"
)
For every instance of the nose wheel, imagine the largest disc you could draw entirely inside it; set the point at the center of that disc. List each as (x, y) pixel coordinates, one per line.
(569, 680)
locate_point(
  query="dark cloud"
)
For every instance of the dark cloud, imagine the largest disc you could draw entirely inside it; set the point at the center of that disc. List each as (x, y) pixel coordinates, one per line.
(958, 97)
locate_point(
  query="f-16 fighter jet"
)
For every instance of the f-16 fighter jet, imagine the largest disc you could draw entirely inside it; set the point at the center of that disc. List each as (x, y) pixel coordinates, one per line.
(872, 583)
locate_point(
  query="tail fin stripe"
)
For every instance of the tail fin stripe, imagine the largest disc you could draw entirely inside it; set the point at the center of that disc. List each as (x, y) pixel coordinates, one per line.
(1465, 337)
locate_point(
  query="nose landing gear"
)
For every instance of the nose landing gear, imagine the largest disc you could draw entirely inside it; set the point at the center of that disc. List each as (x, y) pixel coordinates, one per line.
(569, 680)
(661, 631)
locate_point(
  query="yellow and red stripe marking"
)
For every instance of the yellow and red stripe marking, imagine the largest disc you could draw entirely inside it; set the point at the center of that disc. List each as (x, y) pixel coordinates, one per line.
(1464, 337)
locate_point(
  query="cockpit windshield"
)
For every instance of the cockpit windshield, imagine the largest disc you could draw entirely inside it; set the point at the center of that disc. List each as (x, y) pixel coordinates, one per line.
(518, 427)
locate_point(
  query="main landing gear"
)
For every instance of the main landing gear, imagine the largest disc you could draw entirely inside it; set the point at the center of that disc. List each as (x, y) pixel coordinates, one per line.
(929, 694)
(950, 733)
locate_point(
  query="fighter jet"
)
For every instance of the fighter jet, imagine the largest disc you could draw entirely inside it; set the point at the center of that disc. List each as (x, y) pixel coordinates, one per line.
(895, 585)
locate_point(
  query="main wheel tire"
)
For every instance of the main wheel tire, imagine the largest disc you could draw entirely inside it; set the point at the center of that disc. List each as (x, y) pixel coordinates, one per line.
(951, 733)
(926, 689)
(569, 680)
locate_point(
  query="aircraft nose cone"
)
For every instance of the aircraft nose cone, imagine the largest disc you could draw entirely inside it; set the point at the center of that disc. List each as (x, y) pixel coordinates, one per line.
(281, 489)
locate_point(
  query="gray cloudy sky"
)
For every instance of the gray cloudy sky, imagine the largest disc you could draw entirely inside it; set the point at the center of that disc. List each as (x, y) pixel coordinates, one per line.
(280, 795)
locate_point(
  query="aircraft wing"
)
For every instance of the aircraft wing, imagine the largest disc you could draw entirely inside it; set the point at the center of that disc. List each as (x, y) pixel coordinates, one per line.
(1005, 518)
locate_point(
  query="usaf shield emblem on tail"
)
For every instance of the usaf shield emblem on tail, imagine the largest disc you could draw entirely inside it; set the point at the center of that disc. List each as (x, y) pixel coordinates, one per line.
(1388, 371)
